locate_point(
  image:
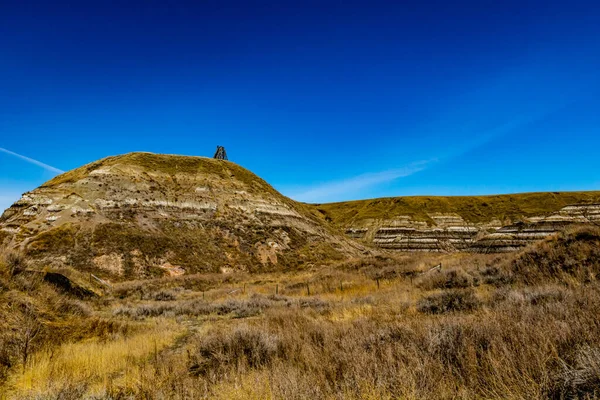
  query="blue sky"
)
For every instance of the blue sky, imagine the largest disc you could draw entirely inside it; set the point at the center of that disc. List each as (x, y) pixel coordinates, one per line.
(326, 100)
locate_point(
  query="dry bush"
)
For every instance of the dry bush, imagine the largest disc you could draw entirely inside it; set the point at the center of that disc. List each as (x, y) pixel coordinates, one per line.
(164, 295)
(147, 289)
(390, 267)
(481, 334)
(529, 343)
(12, 262)
(528, 295)
(569, 256)
(515, 351)
(445, 279)
(449, 301)
(243, 346)
(495, 275)
(82, 369)
(23, 331)
(236, 308)
(581, 380)
(66, 305)
(35, 317)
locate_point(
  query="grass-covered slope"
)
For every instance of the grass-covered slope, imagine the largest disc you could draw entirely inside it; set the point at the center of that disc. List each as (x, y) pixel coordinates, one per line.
(512, 326)
(567, 257)
(473, 209)
(170, 165)
(145, 215)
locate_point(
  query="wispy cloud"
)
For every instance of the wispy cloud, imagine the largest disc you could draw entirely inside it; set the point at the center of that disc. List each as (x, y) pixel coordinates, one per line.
(343, 189)
(32, 161)
(358, 186)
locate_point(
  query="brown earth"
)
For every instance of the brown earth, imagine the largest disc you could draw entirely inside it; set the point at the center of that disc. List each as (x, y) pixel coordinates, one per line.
(142, 215)
(481, 224)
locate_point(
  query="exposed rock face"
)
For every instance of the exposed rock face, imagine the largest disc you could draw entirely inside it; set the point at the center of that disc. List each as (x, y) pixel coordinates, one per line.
(144, 214)
(518, 235)
(484, 228)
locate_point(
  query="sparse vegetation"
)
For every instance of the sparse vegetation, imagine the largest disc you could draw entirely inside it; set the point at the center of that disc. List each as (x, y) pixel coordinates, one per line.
(449, 301)
(483, 326)
(568, 257)
(472, 209)
(169, 165)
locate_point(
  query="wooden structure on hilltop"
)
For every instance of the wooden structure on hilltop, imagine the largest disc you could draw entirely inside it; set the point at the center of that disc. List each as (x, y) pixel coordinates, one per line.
(220, 154)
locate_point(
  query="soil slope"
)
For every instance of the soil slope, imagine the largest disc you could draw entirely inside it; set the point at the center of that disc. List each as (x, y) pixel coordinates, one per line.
(497, 223)
(141, 214)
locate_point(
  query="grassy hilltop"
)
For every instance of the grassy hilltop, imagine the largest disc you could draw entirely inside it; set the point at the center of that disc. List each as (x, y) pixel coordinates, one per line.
(146, 215)
(473, 209)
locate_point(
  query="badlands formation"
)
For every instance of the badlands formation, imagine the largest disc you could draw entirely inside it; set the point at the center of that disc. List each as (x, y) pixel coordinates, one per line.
(142, 215)
(482, 224)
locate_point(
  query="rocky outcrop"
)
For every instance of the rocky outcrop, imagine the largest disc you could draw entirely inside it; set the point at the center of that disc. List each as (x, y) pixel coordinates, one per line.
(143, 214)
(483, 232)
(518, 235)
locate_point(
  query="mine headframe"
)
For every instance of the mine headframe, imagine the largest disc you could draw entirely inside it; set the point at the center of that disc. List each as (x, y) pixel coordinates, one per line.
(220, 154)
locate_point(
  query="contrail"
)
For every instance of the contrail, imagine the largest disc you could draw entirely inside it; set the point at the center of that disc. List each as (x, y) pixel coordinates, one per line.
(32, 161)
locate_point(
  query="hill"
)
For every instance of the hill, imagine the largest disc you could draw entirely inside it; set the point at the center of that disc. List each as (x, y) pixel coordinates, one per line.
(474, 223)
(143, 215)
(166, 319)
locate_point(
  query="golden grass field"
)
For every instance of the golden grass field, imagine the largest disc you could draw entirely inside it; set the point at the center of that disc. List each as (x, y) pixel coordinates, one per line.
(512, 326)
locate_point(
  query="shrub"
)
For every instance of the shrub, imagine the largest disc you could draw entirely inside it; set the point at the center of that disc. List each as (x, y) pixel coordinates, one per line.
(528, 296)
(14, 263)
(567, 256)
(449, 301)
(493, 275)
(243, 346)
(579, 381)
(446, 279)
(64, 305)
(165, 296)
(237, 308)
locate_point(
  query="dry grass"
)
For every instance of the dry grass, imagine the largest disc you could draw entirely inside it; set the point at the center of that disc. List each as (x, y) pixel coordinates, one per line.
(171, 165)
(519, 326)
(471, 208)
(568, 257)
(36, 316)
(95, 365)
(512, 348)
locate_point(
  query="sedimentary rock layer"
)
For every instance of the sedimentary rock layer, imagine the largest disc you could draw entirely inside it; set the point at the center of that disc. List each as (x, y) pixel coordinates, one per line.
(143, 214)
(478, 224)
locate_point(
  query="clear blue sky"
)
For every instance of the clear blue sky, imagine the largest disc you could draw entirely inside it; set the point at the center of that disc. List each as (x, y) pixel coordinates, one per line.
(326, 100)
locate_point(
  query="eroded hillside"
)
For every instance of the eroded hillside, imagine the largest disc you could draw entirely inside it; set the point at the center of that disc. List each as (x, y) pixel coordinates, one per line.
(484, 224)
(319, 317)
(143, 214)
